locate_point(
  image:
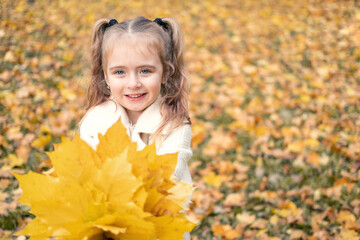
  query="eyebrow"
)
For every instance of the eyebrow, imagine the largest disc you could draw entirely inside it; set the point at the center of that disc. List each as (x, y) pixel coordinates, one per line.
(142, 66)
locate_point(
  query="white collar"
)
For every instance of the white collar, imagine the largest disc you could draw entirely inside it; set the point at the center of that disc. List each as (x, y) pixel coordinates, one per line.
(148, 121)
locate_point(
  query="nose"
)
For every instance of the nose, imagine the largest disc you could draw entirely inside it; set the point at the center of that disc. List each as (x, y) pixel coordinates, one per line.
(134, 81)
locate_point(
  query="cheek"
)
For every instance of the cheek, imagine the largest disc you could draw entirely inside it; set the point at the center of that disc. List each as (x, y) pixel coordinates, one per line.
(115, 85)
(155, 86)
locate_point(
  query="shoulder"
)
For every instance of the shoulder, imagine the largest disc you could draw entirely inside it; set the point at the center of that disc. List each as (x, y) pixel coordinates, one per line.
(101, 115)
(100, 111)
(180, 137)
(183, 131)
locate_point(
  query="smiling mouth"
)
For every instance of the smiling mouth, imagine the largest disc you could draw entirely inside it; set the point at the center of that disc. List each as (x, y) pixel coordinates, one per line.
(135, 95)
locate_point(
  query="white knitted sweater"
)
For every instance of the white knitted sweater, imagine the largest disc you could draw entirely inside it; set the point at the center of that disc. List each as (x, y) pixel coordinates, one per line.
(100, 118)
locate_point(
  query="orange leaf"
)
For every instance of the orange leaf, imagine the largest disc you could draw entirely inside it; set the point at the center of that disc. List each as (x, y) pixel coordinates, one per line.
(314, 159)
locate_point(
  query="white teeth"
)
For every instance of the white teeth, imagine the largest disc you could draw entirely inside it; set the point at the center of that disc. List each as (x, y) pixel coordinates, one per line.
(135, 95)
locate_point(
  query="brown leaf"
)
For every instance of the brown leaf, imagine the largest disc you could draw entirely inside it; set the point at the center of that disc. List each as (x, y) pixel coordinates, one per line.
(259, 223)
(234, 199)
(245, 218)
(295, 234)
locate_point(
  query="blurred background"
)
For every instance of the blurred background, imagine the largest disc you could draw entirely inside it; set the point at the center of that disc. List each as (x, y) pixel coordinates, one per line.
(275, 103)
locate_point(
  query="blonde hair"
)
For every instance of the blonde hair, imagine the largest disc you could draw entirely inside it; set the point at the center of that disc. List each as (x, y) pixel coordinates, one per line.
(168, 40)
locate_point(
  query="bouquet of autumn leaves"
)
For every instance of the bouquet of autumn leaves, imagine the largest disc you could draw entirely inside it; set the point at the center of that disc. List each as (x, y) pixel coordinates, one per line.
(115, 192)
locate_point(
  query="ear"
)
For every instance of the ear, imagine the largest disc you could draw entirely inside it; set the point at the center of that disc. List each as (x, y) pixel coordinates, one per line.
(106, 78)
(166, 75)
(164, 79)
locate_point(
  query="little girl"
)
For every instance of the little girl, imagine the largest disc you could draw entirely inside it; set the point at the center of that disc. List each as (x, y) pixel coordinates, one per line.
(138, 75)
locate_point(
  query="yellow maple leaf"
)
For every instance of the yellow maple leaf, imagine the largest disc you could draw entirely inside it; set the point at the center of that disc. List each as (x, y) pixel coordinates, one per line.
(346, 218)
(115, 192)
(287, 208)
(295, 147)
(198, 134)
(41, 141)
(213, 179)
(348, 234)
(15, 161)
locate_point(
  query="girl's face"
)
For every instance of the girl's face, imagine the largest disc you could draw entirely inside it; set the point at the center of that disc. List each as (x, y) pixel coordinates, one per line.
(134, 78)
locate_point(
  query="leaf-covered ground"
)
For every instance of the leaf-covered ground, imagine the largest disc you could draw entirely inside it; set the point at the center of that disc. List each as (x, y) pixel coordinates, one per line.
(275, 104)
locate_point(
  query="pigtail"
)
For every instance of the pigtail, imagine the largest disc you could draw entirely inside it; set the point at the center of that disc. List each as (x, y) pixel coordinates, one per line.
(174, 104)
(177, 42)
(97, 91)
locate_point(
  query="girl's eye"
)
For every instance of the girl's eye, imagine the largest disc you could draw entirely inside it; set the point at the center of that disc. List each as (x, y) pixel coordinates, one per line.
(145, 71)
(119, 72)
